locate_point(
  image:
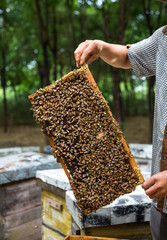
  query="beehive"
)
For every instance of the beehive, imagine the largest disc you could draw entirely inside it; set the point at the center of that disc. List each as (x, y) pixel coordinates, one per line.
(86, 139)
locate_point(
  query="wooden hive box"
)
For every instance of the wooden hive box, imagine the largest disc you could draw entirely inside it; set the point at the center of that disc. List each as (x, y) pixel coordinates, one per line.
(56, 219)
(86, 139)
(20, 196)
(20, 211)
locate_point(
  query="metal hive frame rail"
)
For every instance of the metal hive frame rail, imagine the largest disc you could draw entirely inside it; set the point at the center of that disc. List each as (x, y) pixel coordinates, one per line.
(86, 139)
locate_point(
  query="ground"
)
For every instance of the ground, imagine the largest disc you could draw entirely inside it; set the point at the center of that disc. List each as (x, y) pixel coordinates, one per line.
(135, 130)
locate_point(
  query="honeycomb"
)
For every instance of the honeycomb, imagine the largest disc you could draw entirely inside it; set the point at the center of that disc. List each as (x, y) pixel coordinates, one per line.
(86, 139)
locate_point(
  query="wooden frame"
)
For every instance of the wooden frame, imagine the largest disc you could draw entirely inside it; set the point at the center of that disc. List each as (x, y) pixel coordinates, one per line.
(96, 89)
(85, 70)
(76, 237)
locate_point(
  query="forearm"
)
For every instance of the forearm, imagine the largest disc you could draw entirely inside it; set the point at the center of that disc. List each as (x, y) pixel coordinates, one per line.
(115, 55)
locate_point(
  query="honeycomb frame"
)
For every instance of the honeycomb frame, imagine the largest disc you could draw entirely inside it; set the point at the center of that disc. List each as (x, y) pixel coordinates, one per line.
(86, 140)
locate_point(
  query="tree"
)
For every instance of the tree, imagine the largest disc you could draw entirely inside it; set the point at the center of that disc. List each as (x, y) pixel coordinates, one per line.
(152, 22)
(3, 56)
(43, 21)
(120, 13)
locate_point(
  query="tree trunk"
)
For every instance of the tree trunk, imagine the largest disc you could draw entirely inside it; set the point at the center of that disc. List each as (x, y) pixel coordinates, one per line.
(3, 80)
(43, 31)
(116, 72)
(82, 20)
(151, 82)
(4, 47)
(116, 94)
(54, 47)
(46, 64)
(40, 72)
(70, 4)
(124, 12)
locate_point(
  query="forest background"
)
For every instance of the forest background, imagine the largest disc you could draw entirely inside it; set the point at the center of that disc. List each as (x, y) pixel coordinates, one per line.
(37, 43)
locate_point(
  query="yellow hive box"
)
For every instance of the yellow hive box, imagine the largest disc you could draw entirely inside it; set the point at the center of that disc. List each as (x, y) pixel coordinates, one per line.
(51, 235)
(55, 213)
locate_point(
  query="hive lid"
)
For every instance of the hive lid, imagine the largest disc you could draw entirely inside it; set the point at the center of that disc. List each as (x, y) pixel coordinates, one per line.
(141, 150)
(129, 208)
(22, 166)
(55, 177)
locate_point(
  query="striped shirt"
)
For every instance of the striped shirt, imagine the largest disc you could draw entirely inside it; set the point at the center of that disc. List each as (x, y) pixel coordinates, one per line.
(148, 58)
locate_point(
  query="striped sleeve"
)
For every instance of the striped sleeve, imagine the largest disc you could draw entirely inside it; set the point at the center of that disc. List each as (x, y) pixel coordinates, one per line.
(142, 55)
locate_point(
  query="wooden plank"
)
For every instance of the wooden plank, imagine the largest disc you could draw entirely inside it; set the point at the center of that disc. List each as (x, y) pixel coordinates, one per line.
(58, 220)
(2, 198)
(51, 188)
(20, 218)
(2, 228)
(19, 196)
(48, 234)
(30, 230)
(19, 185)
(55, 204)
(131, 231)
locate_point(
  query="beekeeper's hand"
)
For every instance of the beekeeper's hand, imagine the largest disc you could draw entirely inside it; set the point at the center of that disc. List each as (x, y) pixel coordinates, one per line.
(156, 186)
(88, 51)
(113, 54)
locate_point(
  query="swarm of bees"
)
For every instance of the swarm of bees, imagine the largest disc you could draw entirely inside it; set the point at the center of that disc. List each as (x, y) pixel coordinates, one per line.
(87, 139)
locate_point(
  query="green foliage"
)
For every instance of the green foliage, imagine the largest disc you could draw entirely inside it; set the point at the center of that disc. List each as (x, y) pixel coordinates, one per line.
(74, 21)
(18, 110)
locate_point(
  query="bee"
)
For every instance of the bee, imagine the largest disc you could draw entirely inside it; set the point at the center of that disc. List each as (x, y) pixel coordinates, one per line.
(86, 138)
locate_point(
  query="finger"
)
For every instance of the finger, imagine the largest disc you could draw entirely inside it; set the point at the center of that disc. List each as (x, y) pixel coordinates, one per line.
(87, 53)
(78, 52)
(147, 184)
(81, 46)
(154, 195)
(152, 191)
(157, 194)
(158, 191)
